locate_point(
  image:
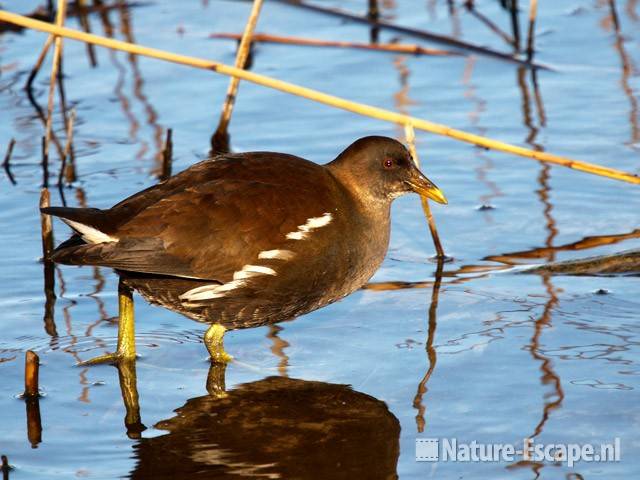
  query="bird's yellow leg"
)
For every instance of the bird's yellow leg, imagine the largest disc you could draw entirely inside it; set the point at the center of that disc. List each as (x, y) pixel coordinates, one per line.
(126, 349)
(213, 339)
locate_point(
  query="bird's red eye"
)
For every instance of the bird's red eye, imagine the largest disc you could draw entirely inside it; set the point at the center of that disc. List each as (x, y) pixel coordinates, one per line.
(388, 163)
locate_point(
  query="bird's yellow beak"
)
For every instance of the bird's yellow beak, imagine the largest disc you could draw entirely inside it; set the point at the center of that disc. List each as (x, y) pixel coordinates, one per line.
(426, 188)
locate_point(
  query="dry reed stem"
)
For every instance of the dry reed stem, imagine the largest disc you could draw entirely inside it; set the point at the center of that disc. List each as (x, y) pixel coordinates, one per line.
(241, 60)
(67, 148)
(309, 42)
(324, 98)
(57, 52)
(410, 136)
(46, 225)
(29, 87)
(533, 13)
(31, 371)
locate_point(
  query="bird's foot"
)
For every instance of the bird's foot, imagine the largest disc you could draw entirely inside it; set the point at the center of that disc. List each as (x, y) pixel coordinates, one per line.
(220, 357)
(110, 358)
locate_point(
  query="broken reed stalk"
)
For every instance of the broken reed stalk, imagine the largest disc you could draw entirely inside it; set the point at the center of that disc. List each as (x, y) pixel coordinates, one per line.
(31, 372)
(533, 13)
(320, 97)
(46, 225)
(411, 142)
(232, 90)
(57, 52)
(310, 42)
(167, 155)
(5, 467)
(67, 149)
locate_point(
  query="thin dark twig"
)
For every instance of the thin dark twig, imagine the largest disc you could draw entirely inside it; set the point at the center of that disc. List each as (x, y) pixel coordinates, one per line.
(424, 34)
(45, 164)
(167, 155)
(7, 159)
(533, 13)
(489, 23)
(515, 25)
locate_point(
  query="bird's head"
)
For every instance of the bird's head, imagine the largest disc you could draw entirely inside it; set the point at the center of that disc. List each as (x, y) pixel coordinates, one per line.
(382, 169)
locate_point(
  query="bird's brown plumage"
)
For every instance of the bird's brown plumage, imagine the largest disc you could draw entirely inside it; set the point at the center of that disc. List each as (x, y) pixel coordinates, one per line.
(271, 235)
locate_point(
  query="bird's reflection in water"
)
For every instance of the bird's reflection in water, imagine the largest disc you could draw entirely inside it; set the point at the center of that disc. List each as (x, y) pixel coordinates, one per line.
(276, 427)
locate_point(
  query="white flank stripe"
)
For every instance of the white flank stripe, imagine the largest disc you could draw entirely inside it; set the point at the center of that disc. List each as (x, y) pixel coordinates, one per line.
(242, 274)
(296, 235)
(317, 222)
(311, 224)
(259, 269)
(89, 234)
(208, 292)
(252, 271)
(276, 254)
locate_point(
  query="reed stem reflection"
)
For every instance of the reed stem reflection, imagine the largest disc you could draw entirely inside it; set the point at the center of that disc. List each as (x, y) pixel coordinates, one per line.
(430, 349)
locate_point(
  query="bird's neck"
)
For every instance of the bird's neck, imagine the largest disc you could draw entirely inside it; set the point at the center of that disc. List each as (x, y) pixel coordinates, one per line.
(370, 205)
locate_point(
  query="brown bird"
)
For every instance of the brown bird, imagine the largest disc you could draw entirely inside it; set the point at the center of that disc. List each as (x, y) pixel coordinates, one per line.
(264, 236)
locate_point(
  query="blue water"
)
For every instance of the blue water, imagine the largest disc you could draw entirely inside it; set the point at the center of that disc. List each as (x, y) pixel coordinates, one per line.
(515, 355)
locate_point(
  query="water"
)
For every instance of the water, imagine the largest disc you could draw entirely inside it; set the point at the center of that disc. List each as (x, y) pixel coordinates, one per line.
(488, 356)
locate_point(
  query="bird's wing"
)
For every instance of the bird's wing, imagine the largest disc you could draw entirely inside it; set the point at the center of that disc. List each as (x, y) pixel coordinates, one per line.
(211, 230)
